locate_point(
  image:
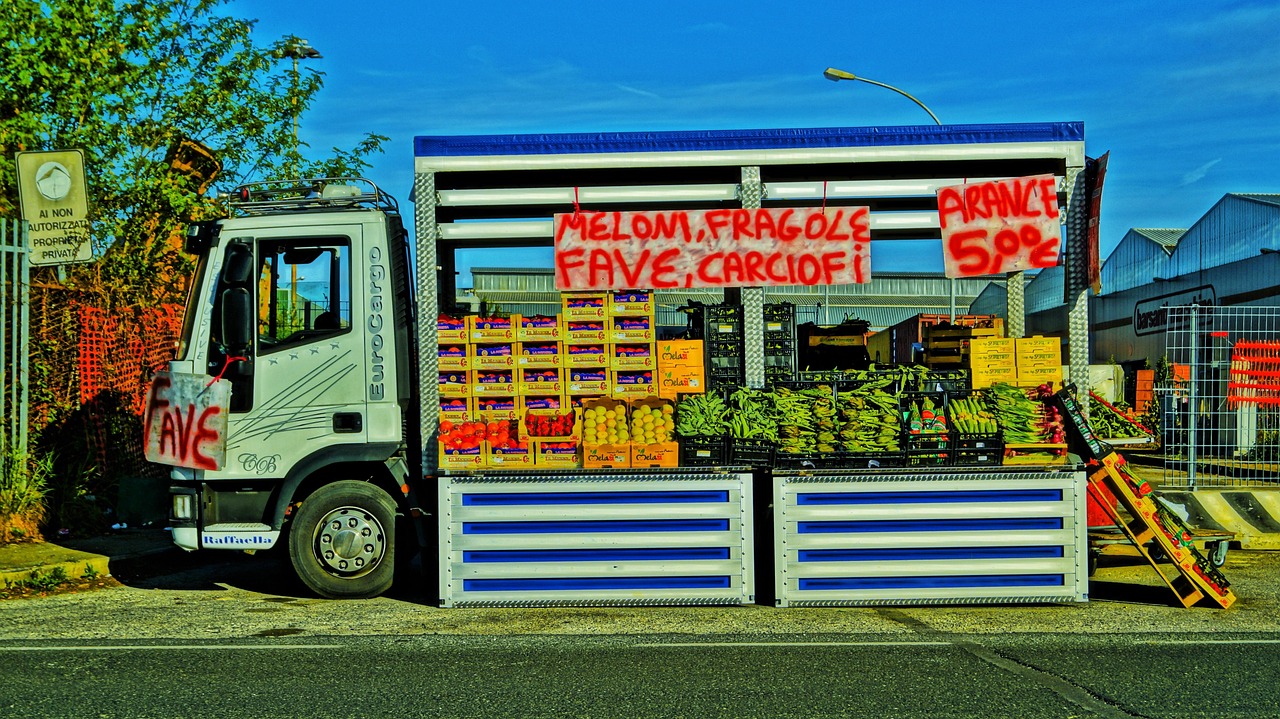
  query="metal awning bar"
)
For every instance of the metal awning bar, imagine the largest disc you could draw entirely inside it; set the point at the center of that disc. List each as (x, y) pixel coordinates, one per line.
(525, 229)
(864, 188)
(587, 195)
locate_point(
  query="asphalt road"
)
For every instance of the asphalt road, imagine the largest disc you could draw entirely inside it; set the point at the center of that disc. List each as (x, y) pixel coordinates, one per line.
(1045, 675)
(227, 635)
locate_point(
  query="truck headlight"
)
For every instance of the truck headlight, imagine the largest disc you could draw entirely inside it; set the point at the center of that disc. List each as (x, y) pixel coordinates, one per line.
(183, 507)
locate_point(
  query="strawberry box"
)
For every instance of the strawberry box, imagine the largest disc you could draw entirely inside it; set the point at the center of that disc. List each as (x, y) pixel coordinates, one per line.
(584, 305)
(538, 381)
(634, 355)
(539, 328)
(455, 383)
(456, 409)
(586, 356)
(493, 355)
(587, 381)
(496, 408)
(585, 331)
(453, 357)
(553, 454)
(560, 424)
(494, 329)
(452, 330)
(631, 302)
(493, 383)
(549, 355)
(462, 445)
(631, 329)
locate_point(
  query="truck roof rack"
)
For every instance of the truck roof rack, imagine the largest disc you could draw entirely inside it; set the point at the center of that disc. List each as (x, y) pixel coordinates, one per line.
(310, 195)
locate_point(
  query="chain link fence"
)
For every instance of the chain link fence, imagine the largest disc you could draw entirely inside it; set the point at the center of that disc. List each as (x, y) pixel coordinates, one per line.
(1220, 404)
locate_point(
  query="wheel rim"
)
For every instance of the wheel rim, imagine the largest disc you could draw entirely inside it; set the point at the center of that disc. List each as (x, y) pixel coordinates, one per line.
(349, 542)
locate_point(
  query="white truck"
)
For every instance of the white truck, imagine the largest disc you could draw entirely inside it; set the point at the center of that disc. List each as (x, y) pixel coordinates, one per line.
(308, 347)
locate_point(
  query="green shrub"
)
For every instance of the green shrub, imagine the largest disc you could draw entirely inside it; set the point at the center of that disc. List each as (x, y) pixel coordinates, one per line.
(24, 484)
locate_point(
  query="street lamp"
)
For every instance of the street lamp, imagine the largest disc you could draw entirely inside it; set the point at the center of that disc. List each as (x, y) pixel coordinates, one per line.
(298, 49)
(835, 75)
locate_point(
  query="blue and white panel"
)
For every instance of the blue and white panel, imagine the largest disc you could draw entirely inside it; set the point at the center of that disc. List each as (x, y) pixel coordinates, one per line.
(990, 537)
(596, 539)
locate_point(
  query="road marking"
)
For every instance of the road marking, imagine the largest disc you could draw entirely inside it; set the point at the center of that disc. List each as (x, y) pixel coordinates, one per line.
(130, 647)
(1208, 641)
(799, 644)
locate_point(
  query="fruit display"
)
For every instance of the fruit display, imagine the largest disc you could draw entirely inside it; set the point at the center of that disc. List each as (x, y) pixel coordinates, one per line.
(605, 424)
(754, 415)
(971, 415)
(652, 424)
(550, 424)
(461, 436)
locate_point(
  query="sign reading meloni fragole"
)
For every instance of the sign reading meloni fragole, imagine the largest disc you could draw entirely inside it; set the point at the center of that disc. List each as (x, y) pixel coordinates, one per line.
(55, 204)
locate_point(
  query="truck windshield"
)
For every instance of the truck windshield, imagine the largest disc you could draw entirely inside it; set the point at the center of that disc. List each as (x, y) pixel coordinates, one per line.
(191, 310)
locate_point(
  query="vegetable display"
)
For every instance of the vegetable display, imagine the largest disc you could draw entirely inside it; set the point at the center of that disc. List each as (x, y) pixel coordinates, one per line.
(754, 415)
(869, 420)
(702, 415)
(1023, 419)
(651, 425)
(1109, 421)
(604, 424)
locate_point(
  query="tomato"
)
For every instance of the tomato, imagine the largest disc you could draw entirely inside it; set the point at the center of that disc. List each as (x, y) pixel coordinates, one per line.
(445, 426)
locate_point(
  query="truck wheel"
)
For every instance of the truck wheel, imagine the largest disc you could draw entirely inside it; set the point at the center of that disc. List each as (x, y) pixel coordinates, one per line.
(342, 542)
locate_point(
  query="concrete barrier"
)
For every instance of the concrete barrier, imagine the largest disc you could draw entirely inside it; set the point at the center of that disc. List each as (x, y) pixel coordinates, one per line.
(1252, 514)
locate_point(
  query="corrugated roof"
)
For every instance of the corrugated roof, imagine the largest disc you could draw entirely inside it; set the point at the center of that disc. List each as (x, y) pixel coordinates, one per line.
(1165, 237)
(1271, 198)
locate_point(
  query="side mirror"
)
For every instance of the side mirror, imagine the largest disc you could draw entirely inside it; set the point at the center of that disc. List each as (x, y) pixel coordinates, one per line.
(237, 320)
(238, 270)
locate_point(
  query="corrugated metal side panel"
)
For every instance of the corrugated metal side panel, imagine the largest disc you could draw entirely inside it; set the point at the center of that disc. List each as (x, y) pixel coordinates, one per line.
(1133, 263)
(1044, 291)
(594, 540)
(1233, 230)
(938, 538)
(993, 300)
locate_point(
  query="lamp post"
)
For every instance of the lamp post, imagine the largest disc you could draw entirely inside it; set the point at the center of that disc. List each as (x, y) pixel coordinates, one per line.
(298, 49)
(835, 75)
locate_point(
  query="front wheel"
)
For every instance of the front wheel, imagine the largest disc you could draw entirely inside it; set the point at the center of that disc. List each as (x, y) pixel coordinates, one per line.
(342, 542)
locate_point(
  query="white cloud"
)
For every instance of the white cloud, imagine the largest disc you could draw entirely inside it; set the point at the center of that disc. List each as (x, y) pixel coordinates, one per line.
(1199, 173)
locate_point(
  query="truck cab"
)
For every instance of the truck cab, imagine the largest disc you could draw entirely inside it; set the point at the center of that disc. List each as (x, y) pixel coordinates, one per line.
(301, 305)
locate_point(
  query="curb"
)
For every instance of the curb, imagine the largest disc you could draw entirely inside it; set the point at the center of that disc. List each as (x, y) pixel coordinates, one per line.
(76, 566)
(1252, 514)
(19, 562)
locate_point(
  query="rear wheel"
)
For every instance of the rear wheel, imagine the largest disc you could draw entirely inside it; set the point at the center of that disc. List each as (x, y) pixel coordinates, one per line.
(342, 542)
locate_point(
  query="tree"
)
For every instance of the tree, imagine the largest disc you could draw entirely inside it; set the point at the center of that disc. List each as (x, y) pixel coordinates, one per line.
(163, 95)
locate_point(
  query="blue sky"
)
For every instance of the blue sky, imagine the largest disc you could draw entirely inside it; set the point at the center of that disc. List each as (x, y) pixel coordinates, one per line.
(1184, 95)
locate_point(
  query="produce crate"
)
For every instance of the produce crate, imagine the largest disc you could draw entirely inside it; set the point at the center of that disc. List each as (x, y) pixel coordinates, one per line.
(943, 380)
(976, 450)
(703, 452)
(494, 329)
(870, 460)
(804, 460)
(539, 328)
(631, 302)
(751, 452)
(584, 305)
(926, 450)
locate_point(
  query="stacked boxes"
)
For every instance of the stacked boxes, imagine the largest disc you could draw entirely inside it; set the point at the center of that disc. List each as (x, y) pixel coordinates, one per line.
(1039, 361)
(681, 368)
(779, 342)
(721, 328)
(606, 436)
(992, 360)
(586, 353)
(631, 345)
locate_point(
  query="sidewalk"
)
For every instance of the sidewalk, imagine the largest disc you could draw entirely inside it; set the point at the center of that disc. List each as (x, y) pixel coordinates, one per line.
(78, 557)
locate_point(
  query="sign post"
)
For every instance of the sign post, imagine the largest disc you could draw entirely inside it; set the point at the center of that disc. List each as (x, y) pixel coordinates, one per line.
(55, 204)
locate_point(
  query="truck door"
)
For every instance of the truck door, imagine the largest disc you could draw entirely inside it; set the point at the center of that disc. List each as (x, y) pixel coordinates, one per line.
(307, 386)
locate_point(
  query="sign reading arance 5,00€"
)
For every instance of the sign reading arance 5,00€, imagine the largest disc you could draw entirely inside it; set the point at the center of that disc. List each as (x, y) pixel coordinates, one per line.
(1000, 226)
(713, 248)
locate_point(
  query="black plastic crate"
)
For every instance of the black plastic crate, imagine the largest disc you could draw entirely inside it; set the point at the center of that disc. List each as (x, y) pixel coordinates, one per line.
(785, 347)
(936, 423)
(774, 374)
(955, 381)
(976, 450)
(871, 460)
(751, 452)
(926, 449)
(703, 452)
(802, 460)
(721, 347)
(716, 313)
(780, 312)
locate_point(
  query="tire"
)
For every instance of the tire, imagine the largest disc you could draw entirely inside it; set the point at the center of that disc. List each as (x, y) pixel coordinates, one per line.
(342, 542)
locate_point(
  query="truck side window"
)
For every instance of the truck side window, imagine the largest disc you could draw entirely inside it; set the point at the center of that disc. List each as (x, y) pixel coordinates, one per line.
(304, 291)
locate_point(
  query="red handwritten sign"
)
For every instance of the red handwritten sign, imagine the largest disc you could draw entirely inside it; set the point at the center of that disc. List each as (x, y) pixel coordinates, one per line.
(186, 421)
(1000, 226)
(713, 248)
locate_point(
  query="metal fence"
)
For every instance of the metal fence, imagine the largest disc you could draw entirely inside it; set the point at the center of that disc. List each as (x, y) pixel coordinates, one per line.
(15, 300)
(1220, 404)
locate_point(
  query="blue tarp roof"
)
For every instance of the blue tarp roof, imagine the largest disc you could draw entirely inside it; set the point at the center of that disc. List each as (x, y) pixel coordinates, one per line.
(721, 140)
